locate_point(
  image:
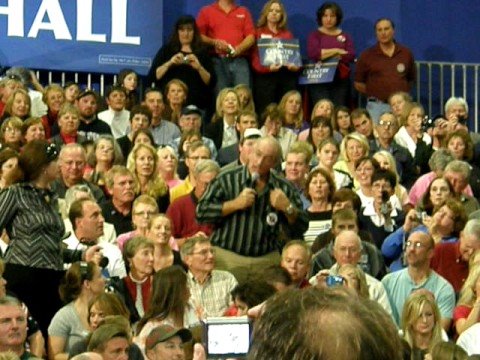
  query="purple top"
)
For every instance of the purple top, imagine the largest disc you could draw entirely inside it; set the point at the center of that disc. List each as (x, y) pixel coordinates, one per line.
(318, 41)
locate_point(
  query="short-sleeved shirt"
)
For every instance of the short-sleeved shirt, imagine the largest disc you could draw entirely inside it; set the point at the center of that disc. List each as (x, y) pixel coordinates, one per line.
(67, 324)
(233, 27)
(399, 286)
(383, 75)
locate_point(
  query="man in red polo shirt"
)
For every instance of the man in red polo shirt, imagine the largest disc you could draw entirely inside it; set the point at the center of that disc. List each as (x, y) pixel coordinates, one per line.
(384, 69)
(450, 260)
(230, 30)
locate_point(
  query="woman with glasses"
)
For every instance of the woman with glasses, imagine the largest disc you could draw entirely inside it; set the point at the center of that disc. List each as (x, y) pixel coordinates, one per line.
(11, 133)
(144, 208)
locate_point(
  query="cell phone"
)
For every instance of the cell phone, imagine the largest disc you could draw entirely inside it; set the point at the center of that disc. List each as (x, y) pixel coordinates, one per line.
(420, 215)
(334, 280)
(225, 337)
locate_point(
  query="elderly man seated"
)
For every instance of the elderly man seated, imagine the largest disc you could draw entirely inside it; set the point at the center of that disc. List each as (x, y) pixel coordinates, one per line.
(347, 249)
(210, 290)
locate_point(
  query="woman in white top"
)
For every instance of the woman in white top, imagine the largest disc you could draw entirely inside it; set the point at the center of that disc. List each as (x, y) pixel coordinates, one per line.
(411, 133)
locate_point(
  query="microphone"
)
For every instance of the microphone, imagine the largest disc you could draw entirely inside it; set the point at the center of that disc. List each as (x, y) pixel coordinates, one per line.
(253, 181)
(104, 262)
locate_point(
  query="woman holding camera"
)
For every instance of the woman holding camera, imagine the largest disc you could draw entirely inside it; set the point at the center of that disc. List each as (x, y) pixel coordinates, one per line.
(185, 57)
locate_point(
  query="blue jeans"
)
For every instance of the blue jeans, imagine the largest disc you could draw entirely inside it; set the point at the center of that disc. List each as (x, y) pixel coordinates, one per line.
(376, 109)
(231, 72)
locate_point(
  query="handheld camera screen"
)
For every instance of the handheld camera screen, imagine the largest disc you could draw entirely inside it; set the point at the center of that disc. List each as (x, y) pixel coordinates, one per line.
(227, 338)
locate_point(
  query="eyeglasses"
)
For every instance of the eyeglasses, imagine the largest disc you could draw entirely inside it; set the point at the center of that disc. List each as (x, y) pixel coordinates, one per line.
(12, 130)
(204, 252)
(198, 157)
(416, 245)
(386, 124)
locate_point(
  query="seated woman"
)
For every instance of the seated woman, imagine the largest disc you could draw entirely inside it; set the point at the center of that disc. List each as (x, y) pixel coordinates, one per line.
(437, 193)
(144, 207)
(106, 153)
(185, 57)
(9, 172)
(140, 118)
(222, 129)
(460, 144)
(291, 107)
(18, 104)
(7, 86)
(54, 97)
(245, 96)
(320, 129)
(167, 166)
(272, 126)
(467, 311)
(353, 147)
(319, 189)
(413, 138)
(444, 225)
(327, 156)
(176, 92)
(342, 123)
(387, 162)
(68, 123)
(143, 136)
(11, 133)
(143, 163)
(169, 304)
(101, 310)
(82, 282)
(397, 102)
(355, 279)
(364, 169)
(71, 90)
(380, 217)
(165, 252)
(128, 79)
(33, 129)
(135, 289)
(323, 108)
(421, 324)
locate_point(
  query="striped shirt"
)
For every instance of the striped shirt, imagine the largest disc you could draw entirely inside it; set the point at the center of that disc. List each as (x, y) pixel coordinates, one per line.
(213, 296)
(247, 232)
(34, 225)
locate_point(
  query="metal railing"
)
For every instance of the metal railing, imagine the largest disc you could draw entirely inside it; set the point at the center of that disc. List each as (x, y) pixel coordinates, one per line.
(436, 82)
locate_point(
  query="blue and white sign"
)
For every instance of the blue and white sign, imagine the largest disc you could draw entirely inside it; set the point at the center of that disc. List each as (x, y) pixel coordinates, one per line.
(318, 73)
(279, 52)
(80, 35)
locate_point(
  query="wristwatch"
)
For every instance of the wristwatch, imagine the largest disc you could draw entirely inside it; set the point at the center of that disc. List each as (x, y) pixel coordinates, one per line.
(290, 209)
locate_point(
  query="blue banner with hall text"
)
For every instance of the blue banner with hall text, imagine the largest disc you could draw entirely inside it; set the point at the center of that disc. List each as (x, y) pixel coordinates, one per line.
(101, 36)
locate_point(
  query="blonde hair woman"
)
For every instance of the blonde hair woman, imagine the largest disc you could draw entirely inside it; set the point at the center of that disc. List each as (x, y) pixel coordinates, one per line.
(168, 165)
(467, 312)
(291, 107)
(143, 163)
(354, 146)
(222, 129)
(355, 279)
(421, 324)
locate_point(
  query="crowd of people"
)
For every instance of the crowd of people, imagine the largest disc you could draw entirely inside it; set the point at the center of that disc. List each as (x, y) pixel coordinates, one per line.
(346, 233)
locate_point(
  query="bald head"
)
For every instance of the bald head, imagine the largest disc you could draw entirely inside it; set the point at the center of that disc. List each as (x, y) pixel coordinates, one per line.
(347, 248)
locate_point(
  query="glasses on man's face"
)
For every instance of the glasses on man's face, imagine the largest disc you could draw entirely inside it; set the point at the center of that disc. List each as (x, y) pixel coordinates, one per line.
(385, 124)
(204, 252)
(415, 245)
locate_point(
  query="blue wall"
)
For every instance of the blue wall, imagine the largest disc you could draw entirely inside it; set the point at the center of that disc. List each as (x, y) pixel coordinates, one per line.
(434, 30)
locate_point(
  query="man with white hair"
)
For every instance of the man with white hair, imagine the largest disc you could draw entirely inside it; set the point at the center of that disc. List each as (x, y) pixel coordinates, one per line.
(347, 249)
(457, 173)
(450, 260)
